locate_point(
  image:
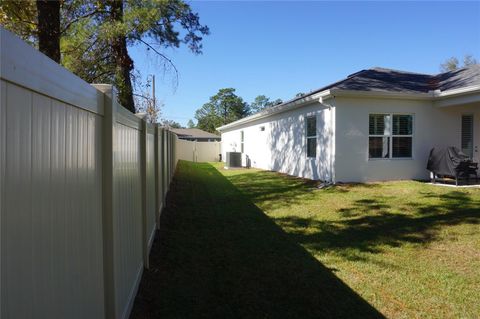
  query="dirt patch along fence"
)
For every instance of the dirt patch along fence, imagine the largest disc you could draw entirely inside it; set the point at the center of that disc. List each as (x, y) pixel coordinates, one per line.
(82, 185)
(194, 151)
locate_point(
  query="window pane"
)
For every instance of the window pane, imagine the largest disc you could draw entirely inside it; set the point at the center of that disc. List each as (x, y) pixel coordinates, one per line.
(379, 124)
(402, 147)
(312, 147)
(402, 124)
(378, 147)
(241, 136)
(311, 126)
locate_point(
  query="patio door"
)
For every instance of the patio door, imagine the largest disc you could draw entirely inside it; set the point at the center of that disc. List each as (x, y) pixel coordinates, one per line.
(467, 134)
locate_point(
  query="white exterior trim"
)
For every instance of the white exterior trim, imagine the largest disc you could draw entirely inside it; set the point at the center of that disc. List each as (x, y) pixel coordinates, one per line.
(471, 94)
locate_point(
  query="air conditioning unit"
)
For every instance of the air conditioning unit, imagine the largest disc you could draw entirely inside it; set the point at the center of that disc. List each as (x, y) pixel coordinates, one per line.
(233, 159)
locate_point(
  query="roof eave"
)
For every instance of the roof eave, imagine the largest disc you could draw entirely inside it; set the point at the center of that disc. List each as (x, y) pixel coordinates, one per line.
(277, 109)
(382, 94)
(330, 93)
(457, 92)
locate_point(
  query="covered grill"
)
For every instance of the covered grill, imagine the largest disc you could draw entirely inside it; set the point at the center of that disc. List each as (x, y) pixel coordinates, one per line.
(452, 163)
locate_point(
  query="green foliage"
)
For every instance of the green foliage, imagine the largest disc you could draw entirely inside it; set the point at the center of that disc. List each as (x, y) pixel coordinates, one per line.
(190, 124)
(20, 17)
(262, 102)
(90, 30)
(469, 59)
(172, 124)
(452, 63)
(223, 108)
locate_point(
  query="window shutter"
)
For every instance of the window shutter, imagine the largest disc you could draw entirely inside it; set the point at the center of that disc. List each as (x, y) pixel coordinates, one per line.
(467, 135)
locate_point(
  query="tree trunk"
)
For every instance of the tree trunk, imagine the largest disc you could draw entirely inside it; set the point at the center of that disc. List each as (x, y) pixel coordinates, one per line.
(49, 28)
(123, 62)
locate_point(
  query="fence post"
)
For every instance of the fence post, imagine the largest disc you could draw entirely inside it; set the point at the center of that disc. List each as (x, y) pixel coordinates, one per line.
(108, 146)
(158, 175)
(155, 155)
(169, 168)
(143, 168)
(165, 164)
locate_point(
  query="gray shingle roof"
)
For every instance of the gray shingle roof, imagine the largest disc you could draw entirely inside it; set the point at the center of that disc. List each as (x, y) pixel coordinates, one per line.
(395, 81)
(388, 80)
(460, 78)
(193, 133)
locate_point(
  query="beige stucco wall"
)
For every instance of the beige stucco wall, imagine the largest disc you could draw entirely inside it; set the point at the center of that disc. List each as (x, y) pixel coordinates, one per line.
(433, 127)
(282, 145)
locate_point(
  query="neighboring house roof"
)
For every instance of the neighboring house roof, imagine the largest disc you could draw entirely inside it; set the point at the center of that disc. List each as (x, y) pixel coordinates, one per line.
(383, 81)
(193, 133)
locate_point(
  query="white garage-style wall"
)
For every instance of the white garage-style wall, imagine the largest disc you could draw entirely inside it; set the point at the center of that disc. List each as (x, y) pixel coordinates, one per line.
(278, 142)
(433, 127)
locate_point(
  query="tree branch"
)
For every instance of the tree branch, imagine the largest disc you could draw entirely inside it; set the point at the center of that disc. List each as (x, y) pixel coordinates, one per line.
(163, 56)
(65, 28)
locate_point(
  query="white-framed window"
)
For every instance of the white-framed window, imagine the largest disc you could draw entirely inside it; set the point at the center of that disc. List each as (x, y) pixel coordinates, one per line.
(467, 134)
(390, 136)
(311, 136)
(242, 139)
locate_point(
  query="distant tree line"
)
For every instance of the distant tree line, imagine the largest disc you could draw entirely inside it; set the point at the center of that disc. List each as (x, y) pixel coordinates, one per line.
(453, 63)
(226, 107)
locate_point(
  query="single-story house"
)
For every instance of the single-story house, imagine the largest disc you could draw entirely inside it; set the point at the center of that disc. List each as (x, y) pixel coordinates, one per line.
(377, 124)
(195, 134)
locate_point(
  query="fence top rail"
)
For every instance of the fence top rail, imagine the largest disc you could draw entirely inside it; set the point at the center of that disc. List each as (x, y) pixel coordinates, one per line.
(127, 118)
(150, 128)
(23, 65)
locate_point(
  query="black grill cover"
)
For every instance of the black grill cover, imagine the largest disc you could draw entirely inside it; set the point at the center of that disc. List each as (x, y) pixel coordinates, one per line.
(450, 161)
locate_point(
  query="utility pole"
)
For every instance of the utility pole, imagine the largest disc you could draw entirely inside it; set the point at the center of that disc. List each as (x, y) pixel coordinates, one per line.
(153, 90)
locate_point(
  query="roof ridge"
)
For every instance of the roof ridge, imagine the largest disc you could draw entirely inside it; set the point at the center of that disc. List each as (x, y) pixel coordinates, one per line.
(379, 68)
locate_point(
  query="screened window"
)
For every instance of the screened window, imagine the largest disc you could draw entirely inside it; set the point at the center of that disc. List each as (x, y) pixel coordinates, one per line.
(311, 134)
(390, 136)
(242, 137)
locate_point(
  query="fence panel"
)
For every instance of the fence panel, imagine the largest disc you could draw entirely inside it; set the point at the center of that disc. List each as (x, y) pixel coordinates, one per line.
(51, 234)
(207, 151)
(166, 169)
(197, 151)
(150, 202)
(127, 214)
(159, 172)
(82, 183)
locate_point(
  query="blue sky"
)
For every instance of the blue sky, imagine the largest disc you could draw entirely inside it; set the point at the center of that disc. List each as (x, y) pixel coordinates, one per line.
(282, 48)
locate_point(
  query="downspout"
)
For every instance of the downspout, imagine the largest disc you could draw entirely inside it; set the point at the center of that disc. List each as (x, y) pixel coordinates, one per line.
(332, 141)
(331, 159)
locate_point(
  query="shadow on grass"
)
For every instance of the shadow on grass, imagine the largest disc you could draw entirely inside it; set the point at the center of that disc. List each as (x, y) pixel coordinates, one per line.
(276, 190)
(372, 223)
(218, 256)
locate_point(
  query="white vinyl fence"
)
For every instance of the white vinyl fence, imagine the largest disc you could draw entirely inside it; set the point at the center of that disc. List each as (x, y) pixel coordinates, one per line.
(82, 185)
(198, 151)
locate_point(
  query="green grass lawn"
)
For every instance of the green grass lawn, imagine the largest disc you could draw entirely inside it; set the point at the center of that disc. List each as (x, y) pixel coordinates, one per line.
(256, 244)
